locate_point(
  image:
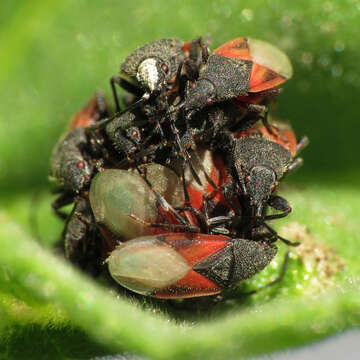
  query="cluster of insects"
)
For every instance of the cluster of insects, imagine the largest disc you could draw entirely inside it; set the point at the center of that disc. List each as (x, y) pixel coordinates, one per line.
(174, 192)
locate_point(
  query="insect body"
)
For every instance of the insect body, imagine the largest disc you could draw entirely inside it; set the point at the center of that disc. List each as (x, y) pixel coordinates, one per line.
(81, 237)
(124, 134)
(85, 149)
(185, 265)
(119, 198)
(169, 265)
(178, 204)
(73, 159)
(244, 69)
(269, 68)
(156, 67)
(261, 160)
(69, 165)
(76, 156)
(216, 169)
(153, 65)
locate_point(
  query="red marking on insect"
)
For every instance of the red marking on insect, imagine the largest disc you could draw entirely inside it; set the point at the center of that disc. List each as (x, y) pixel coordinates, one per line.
(184, 250)
(186, 47)
(168, 217)
(286, 136)
(165, 68)
(135, 134)
(283, 134)
(182, 265)
(218, 174)
(88, 116)
(195, 247)
(80, 165)
(269, 69)
(192, 284)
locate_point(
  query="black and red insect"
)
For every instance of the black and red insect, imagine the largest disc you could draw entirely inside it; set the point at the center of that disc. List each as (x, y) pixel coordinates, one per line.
(164, 264)
(182, 265)
(76, 156)
(169, 230)
(261, 160)
(174, 265)
(156, 70)
(247, 71)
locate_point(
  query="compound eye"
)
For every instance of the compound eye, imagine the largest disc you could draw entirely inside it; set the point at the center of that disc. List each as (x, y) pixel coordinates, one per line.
(274, 187)
(81, 165)
(134, 134)
(165, 68)
(209, 101)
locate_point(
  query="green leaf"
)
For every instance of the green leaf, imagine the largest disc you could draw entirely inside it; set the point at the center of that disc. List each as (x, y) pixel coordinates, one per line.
(54, 56)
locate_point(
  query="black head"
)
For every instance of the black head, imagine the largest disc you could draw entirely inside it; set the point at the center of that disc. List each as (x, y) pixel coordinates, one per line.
(69, 164)
(259, 164)
(260, 184)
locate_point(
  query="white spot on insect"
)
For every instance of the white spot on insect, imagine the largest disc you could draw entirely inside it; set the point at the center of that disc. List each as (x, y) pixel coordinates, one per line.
(148, 74)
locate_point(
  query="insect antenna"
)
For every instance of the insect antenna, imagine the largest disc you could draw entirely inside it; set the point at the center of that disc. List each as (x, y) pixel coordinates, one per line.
(285, 241)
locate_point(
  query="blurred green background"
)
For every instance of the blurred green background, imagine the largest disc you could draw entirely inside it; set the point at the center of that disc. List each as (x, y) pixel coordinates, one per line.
(55, 54)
